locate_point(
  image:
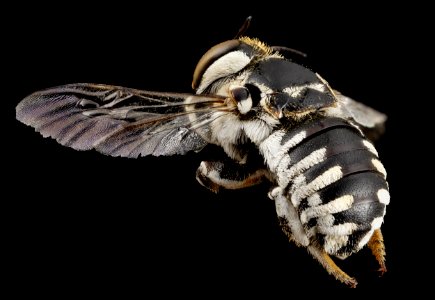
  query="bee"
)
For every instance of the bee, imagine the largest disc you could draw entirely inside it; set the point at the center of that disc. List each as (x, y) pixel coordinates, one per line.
(276, 120)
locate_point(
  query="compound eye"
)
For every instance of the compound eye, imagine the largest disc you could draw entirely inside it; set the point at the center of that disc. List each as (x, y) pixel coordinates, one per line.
(240, 94)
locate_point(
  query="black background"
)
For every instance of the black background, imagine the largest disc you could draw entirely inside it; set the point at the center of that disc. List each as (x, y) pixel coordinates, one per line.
(83, 220)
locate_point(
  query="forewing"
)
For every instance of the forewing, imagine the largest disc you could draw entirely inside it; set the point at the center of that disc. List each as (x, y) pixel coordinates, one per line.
(362, 114)
(371, 121)
(119, 121)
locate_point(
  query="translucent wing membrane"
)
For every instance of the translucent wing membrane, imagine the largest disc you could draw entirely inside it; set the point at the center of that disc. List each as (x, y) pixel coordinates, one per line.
(371, 121)
(362, 114)
(120, 121)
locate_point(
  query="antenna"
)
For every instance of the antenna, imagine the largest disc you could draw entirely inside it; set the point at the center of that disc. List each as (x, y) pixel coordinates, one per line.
(283, 50)
(244, 27)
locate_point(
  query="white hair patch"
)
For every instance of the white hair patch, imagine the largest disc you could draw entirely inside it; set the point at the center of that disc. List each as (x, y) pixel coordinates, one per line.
(244, 106)
(314, 200)
(272, 150)
(230, 63)
(379, 167)
(335, 206)
(326, 178)
(340, 229)
(256, 130)
(376, 224)
(286, 210)
(334, 242)
(370, 147)
(384, 196)
(285, 175)
(295, 91)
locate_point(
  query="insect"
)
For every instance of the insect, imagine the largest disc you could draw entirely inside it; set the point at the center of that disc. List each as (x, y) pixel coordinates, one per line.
(276, 121)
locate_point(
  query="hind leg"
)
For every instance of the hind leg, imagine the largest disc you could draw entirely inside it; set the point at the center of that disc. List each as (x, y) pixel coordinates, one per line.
(326, 261)
(376, 244)
(229, 175)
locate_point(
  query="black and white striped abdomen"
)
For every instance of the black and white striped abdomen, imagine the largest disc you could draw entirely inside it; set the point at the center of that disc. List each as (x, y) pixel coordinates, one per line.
(331, 189)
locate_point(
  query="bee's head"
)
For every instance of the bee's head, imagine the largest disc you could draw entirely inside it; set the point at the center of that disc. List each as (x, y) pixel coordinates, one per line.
(256, 78)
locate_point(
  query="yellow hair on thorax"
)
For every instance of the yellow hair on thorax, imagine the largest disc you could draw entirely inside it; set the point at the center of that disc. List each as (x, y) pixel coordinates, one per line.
(257, 45)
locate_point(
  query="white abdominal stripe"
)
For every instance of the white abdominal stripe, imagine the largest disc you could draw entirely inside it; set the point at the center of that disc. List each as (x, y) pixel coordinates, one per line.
(333, 178)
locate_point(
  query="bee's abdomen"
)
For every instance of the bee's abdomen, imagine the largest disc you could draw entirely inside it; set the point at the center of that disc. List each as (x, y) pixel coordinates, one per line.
(332, 176)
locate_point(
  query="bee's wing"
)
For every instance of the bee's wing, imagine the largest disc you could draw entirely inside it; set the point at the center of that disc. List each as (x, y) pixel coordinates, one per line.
(362, 114)
(119, 121)
(368, 119)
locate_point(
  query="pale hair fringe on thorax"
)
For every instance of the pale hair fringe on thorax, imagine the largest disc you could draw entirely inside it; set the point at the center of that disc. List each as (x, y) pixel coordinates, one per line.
(258, 45)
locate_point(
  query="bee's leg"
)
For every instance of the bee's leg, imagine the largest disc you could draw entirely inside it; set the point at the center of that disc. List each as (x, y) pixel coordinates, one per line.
(288, 217)
(326, 261)
(376, 244)
(229, 175)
